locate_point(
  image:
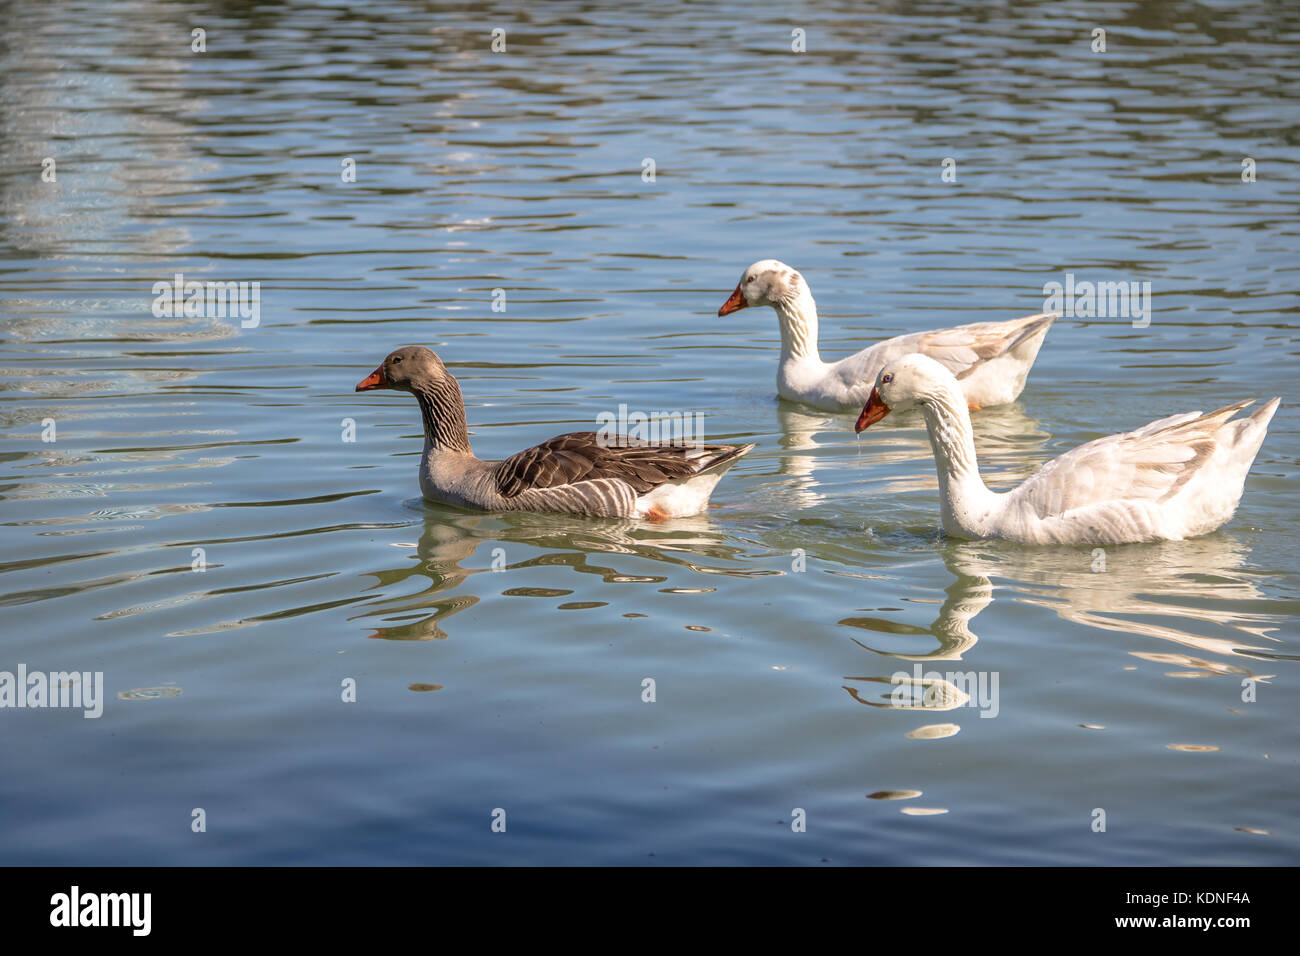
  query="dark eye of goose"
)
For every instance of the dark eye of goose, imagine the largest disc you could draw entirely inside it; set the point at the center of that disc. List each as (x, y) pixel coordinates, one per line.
(887, 379)
(397, 360)
(750, 279)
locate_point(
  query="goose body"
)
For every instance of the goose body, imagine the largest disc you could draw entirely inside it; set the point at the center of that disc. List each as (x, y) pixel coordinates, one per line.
(991, 360)
(583, 473)
(1175, 478)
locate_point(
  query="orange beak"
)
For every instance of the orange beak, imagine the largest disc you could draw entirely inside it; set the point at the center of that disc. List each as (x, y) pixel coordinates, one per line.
(374, 380)
(734, 304)
(872, 412)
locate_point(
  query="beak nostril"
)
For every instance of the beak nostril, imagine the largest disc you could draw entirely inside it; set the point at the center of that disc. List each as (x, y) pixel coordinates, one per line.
(734, 303)
(375, 379)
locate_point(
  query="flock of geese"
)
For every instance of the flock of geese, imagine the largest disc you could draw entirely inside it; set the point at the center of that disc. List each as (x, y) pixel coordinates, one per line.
(1174, 478)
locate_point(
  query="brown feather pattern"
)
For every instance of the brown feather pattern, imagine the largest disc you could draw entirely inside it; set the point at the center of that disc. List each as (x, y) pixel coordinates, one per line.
(586, 456)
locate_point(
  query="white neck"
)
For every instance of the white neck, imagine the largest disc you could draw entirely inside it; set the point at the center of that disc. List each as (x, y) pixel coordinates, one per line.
(964, 498)
(798, 315)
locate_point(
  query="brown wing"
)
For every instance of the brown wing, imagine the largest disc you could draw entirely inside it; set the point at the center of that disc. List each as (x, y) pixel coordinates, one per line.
(585, 456)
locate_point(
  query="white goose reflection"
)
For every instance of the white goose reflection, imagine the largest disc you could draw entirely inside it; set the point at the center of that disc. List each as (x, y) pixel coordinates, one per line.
(801, 428)
(803, 433)
(966, 597)
(1191, 588)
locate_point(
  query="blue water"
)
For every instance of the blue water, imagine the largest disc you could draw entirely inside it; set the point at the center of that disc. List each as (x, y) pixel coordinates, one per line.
(767, 625)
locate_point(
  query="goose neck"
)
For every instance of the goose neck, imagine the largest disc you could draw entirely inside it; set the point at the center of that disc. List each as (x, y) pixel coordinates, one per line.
(443, 411)
(953, 443)
(798, 315)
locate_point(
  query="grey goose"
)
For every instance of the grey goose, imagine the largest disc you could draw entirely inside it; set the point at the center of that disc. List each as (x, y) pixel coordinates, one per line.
(582, 473)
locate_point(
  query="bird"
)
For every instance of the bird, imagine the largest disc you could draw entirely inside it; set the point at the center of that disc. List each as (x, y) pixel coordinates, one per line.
(1175, 478)
(581, 473)
(990, 359)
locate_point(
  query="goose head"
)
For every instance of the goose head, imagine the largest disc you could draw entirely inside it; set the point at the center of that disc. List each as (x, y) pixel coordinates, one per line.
(766, 282)
(412, 368)
(911, 380)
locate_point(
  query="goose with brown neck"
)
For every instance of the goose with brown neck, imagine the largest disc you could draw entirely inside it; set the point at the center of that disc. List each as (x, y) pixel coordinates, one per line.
(1176, 478)
(584, 473)
(991, 360)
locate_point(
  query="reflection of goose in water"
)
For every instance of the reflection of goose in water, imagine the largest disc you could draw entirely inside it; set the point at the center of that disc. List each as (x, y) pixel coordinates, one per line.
(969, 594)
(1189, 584)
(454, 546)
(795, 485)
(447, 542)
(908, 692)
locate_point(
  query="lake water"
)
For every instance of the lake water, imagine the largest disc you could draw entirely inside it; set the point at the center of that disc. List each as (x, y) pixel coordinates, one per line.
(770, 627)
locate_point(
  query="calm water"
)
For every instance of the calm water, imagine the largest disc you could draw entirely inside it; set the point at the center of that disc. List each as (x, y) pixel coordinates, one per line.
(771, 626)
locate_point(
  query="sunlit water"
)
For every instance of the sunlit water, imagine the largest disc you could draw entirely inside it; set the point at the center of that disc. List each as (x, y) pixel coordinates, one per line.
(771, 626)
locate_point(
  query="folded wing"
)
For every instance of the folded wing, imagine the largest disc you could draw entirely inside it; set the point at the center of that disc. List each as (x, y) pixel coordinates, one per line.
(1152, 463)
(589, 456)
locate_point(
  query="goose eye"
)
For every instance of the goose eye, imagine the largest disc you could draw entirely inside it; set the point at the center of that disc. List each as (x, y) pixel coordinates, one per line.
(750, 279)
(397, 360)
(887, 379)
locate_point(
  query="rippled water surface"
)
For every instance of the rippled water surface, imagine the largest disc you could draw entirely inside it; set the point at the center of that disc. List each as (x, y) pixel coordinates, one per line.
(500, 661)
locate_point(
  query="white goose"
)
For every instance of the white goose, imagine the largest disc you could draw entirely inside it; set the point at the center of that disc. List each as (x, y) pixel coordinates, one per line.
(585, 473)
(990, 359)
(1175, 478)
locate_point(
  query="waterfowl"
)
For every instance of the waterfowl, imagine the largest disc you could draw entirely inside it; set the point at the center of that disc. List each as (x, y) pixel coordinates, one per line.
(1175, 478)
(583, 473)
(990, 359)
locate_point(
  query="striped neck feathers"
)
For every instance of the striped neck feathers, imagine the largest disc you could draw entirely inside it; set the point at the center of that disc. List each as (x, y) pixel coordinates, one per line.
(443, 411)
